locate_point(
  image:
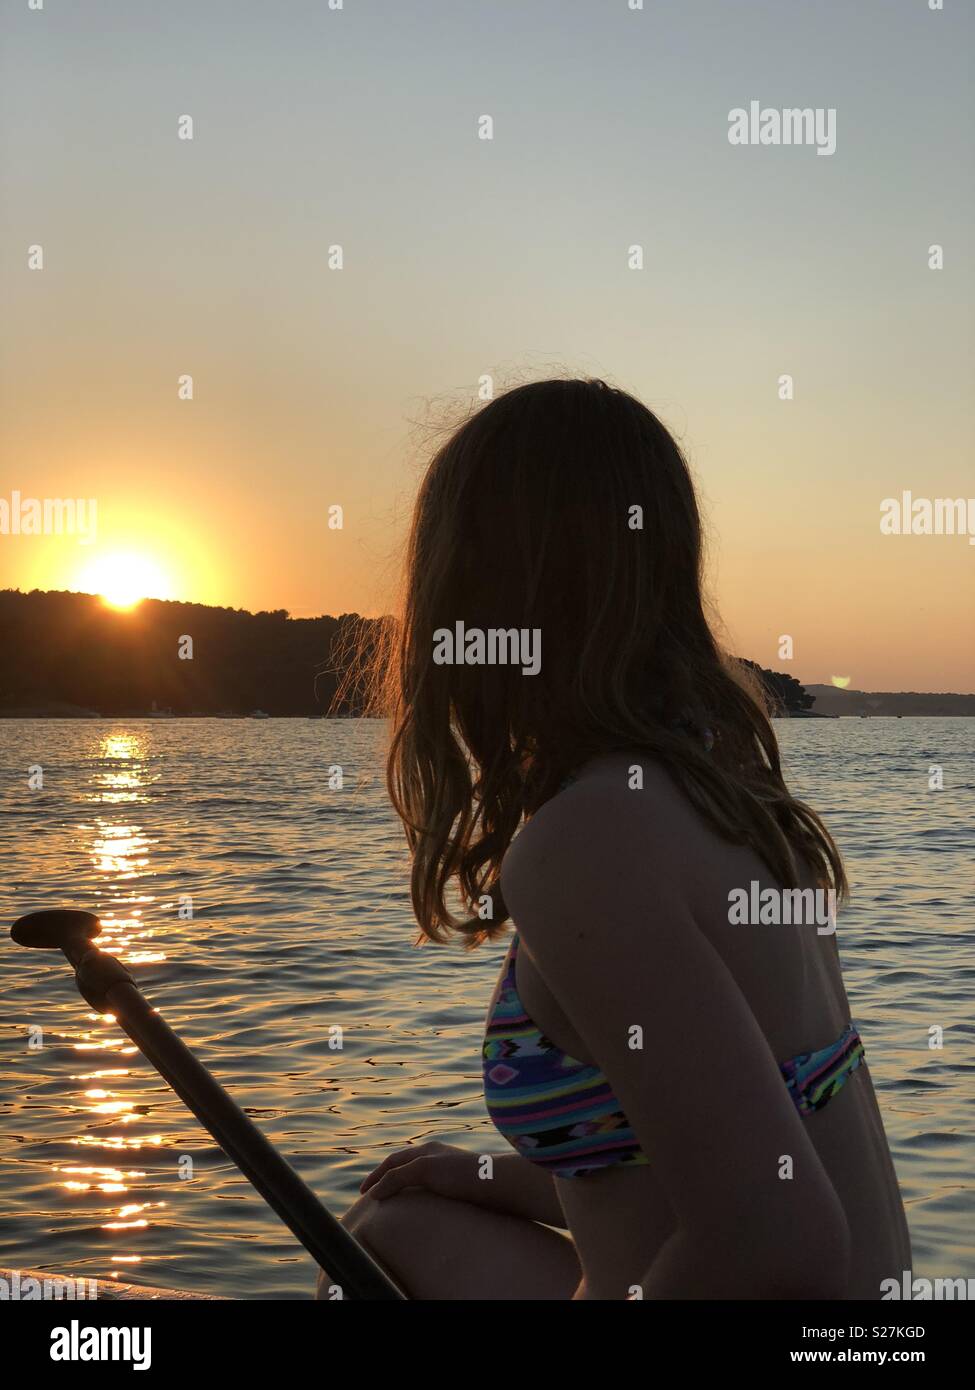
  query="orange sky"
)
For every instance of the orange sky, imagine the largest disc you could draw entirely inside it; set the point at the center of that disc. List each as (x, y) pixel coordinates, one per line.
(164, 258)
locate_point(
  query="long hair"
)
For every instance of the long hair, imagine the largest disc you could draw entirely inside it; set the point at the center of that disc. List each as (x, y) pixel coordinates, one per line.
(565, 507)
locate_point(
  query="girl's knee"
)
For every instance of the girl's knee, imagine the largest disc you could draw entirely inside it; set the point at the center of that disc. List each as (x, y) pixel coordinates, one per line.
(383, 1227)
(403, 1214)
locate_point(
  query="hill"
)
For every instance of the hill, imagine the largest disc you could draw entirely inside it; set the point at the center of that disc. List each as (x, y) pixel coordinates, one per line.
(69, 655)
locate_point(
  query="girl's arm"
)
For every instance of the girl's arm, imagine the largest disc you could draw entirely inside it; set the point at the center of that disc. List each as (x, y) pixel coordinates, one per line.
(521, 1188)
(499, 1182)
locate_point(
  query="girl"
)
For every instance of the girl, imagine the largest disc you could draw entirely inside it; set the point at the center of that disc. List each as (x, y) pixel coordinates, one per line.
(687, 1101)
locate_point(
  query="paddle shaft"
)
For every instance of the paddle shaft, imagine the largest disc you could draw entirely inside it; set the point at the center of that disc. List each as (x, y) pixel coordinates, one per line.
(349, 1266)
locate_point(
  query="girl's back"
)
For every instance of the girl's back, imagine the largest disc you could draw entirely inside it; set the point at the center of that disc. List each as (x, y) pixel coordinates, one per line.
(790, 977)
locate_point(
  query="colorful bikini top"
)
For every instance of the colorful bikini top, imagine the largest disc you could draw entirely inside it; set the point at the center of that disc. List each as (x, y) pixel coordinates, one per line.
(562, 1114)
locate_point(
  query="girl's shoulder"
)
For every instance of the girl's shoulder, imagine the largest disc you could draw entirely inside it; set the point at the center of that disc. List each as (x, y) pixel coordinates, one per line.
(616, 806)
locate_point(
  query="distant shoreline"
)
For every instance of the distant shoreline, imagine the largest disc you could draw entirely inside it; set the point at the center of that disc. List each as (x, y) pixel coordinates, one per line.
(156, 718)
(75, 658)
(159, 718)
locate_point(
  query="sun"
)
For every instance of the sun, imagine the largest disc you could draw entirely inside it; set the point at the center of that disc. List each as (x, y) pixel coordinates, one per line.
(123, 579)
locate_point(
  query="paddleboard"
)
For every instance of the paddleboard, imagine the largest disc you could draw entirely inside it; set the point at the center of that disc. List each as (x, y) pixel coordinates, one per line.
(43, 1284)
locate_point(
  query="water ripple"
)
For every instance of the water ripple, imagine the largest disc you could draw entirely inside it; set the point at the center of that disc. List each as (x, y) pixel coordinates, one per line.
(267, 916)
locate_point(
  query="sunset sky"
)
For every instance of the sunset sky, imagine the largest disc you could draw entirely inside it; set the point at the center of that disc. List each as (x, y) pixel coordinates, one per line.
(311, 387)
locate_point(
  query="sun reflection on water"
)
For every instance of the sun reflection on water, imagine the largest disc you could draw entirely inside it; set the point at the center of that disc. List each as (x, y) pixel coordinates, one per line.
(113, 1096)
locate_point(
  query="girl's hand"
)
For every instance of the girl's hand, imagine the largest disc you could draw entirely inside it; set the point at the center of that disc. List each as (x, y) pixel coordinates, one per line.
(437, 1167)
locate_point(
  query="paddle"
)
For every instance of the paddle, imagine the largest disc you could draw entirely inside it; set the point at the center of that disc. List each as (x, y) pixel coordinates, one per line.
(108, 987)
